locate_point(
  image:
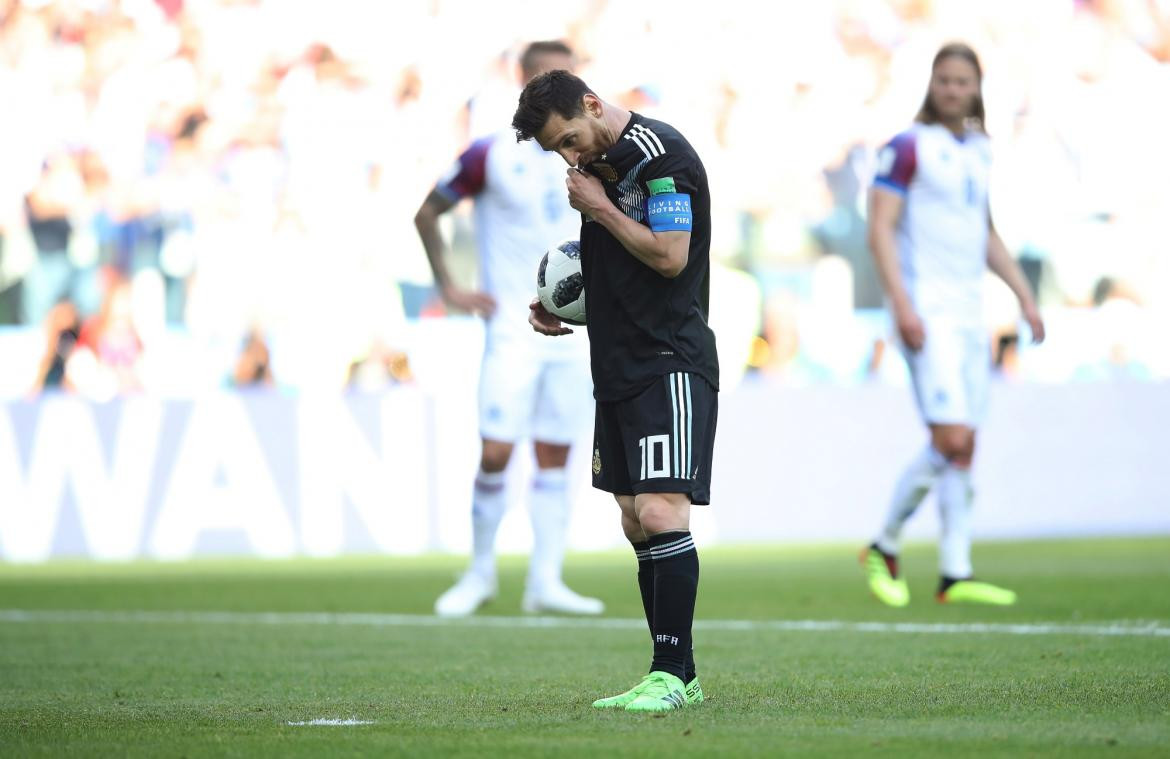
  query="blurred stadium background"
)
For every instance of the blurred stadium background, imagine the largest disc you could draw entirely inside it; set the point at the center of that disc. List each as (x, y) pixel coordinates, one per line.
(220, 334)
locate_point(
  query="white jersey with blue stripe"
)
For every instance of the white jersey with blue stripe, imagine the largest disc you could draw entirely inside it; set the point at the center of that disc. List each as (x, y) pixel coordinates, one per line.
(521, 209)
(943, 230)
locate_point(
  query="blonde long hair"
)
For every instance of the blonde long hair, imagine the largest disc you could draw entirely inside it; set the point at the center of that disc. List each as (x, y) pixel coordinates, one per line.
(976, 118)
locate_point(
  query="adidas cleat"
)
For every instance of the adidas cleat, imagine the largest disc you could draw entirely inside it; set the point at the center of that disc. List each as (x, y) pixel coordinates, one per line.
(466, 596)
(558, 598)
(880, 573)
(694, 692)
(975, 592)
(660, 692)
(622, 699)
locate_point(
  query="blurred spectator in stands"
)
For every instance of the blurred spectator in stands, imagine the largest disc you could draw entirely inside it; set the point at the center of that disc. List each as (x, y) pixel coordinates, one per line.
(780, 356)
(379, 369)
(1119, 335)
(253, 367)
(62, 329)
(49, 206)
(107, 361)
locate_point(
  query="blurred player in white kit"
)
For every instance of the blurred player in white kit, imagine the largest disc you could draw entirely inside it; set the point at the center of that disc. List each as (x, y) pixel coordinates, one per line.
(529, 386)
(932, 237)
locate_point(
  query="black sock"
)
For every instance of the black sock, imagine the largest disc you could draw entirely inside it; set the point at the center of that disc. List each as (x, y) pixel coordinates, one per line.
(646, 582)
(676, 581)
(646, 586)
(944, 582)
(891, 560)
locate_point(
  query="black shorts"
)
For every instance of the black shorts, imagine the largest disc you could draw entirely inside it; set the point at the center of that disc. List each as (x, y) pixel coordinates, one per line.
(659, 441)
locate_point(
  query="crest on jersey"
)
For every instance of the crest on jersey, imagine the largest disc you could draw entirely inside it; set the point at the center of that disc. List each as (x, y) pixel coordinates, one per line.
(605, 171)
(597, 461)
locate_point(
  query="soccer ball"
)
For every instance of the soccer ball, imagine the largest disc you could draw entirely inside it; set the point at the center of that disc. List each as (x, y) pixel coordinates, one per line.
(560, 284)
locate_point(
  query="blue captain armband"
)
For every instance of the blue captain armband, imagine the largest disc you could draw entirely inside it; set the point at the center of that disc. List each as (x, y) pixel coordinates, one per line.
(669, 212)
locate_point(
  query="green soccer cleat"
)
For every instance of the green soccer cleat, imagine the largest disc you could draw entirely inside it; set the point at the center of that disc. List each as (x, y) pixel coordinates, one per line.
(660, 692)
(975, 592)
(890, 590)
(620, 700)
(694, 692)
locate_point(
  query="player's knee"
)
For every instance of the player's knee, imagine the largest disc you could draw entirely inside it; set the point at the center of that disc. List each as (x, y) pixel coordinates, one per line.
(495, 455)
(956, 444)
(632, 529)
(550, 455)
(657, 514)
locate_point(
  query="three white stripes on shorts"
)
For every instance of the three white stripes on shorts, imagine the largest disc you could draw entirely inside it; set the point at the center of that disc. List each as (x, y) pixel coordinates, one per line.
(680, 401)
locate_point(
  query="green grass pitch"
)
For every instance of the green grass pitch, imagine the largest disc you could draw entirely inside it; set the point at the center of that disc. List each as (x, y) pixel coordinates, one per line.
(174, 684)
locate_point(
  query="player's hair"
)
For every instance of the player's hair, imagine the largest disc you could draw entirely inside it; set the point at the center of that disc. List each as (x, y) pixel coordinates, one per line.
(928, 114)
(556, 92)
(537, 49)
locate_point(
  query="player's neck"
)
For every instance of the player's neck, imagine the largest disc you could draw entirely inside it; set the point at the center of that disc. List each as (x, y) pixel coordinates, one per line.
(957, 127)
(616, 119)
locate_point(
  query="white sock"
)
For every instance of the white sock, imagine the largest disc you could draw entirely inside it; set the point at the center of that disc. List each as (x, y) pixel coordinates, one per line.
(548, 506)
(915, 482)
(954, 503)
(487, 509)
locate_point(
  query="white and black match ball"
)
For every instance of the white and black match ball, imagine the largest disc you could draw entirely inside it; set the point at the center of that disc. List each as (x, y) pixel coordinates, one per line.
(560, 284)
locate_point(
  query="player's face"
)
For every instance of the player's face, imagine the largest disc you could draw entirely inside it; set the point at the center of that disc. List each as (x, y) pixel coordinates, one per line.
(580, 140)
(954, 85)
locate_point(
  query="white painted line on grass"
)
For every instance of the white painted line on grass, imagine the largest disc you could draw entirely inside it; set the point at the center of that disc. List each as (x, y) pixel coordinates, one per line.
(330, 722)
(1143, 629)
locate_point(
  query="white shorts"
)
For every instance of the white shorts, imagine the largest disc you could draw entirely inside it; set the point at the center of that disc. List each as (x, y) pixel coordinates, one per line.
(527, 390)
(951, 373)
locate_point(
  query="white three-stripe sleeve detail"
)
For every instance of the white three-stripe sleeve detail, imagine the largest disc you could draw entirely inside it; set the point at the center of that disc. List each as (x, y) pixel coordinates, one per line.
(643, 143)
(653, 138)
(642, 147)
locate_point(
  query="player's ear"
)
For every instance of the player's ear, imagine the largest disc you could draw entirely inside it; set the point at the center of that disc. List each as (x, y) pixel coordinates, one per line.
(592, 104)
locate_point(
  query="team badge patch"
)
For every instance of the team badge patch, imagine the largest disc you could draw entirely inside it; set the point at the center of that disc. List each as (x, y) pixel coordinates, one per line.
(597, 461)
(605, 171)
(661, 186)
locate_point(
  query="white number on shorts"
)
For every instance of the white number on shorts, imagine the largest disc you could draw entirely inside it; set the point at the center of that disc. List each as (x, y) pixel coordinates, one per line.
(655, 447)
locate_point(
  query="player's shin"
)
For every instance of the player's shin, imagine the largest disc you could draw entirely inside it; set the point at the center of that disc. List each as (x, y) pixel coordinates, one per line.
(548, 507)
(487, 510)
(913, 486)
(646, 582)
(676, 582)
(954, 503)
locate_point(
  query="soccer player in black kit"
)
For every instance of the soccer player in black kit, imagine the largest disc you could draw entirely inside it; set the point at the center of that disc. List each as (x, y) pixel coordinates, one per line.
(645, 240)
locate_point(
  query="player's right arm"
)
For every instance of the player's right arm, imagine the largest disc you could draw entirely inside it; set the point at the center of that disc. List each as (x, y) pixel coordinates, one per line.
(465, 179)
(886, 201)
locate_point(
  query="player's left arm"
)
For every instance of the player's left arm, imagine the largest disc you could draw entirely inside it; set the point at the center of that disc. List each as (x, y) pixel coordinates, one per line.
(1001, 262)
(664, 245)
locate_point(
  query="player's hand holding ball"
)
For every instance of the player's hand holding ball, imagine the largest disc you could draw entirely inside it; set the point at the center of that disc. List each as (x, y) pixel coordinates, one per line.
(560, 290)
(544, 322)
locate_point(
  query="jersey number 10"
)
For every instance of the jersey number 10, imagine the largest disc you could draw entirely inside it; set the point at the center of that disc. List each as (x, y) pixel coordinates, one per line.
(655, 456)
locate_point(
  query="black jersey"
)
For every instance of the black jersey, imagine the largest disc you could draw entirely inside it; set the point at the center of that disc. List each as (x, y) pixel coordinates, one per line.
(641, 324)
